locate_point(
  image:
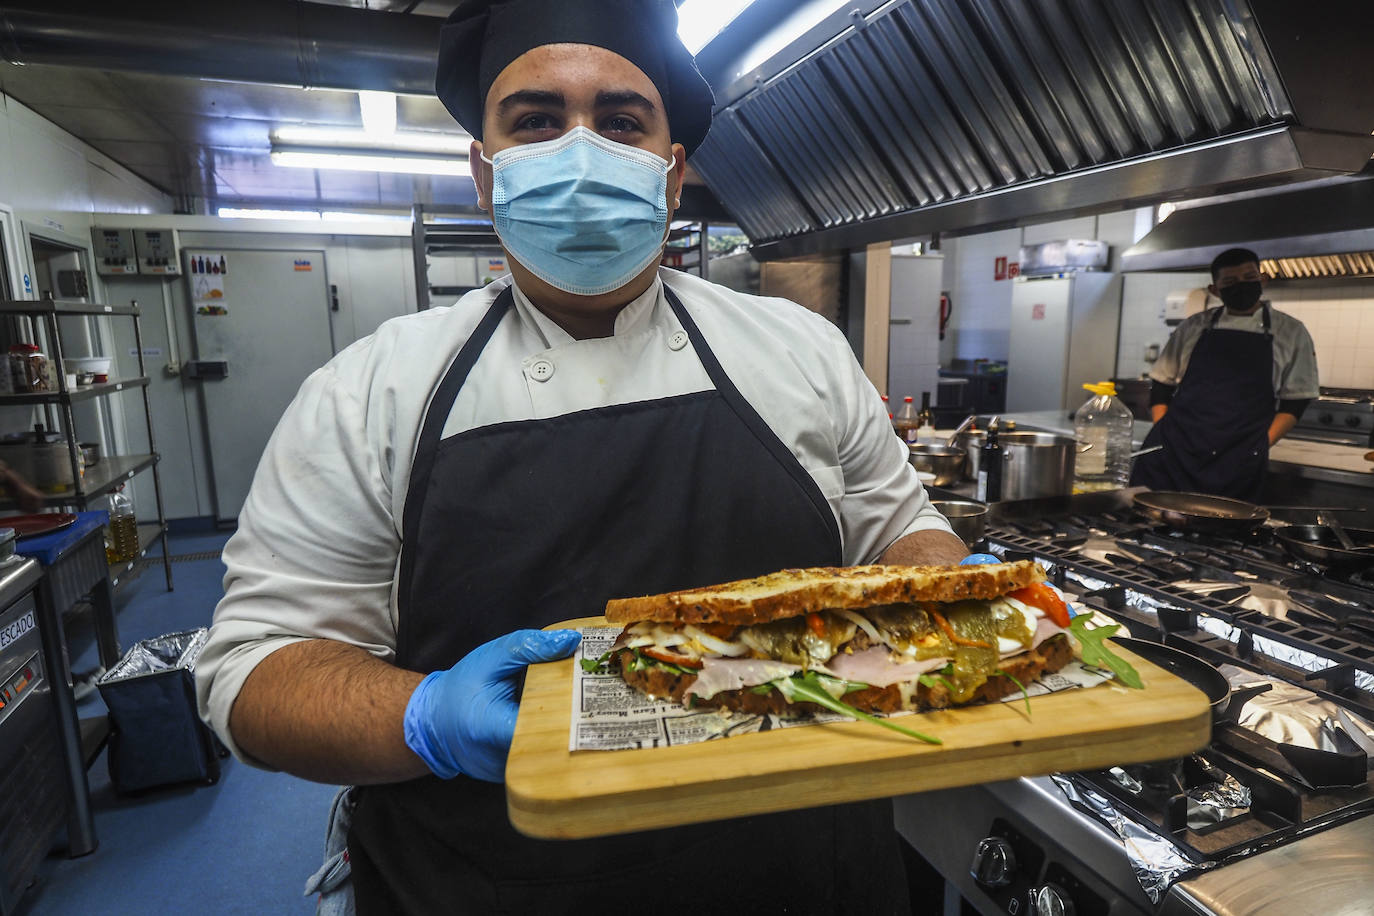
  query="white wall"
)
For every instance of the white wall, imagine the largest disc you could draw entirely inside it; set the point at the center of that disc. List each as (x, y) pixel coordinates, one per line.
(45, 169)
(1339, 314)
(980, 327)
(1142, 316)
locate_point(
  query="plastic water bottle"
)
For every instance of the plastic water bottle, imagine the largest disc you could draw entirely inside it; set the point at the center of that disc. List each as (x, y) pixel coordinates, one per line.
(1103, 427)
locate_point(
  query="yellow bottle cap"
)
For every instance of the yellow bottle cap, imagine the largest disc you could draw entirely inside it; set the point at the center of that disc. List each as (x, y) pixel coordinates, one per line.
(1100, 388)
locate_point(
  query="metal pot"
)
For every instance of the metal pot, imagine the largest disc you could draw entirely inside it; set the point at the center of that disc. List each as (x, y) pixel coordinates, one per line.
(967, 518)
(946, 462)
(1036, 464)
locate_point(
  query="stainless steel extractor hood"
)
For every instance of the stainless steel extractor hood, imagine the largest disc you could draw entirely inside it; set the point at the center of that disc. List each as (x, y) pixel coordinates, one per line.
(1320, 231)
(883, 120)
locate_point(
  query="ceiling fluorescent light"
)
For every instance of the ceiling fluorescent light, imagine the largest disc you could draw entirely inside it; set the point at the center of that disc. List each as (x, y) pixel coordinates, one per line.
(405, 141)
(368, 161)
(249, 213)
(378, 111)
(698, 21)
(363, 216)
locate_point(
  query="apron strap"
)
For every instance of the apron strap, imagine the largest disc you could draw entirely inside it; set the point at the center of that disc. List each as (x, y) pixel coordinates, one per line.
(750, 417)
(431, 432)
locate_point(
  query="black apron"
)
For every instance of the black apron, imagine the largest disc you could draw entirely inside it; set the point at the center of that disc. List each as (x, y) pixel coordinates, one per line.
(1216, 431)
(526, 523)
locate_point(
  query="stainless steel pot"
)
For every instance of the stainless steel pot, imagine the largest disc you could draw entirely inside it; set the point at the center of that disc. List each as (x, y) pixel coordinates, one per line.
(944, 461)
(1036, 464)
(967, 518)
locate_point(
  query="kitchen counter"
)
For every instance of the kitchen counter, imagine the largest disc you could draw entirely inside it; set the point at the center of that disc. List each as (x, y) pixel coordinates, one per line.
(1325, 461)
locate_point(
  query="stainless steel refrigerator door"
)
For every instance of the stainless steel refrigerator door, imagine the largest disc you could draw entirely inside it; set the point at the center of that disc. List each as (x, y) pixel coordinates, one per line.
(1037, 360)
(270, 327)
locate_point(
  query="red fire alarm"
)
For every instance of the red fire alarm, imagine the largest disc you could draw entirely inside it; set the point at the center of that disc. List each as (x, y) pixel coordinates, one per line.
(1013, 270)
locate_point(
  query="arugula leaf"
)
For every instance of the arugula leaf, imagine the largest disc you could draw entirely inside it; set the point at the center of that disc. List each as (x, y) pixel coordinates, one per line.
(810, 687)
(590, 665)
(1024, 695)
(930, 680)
(1095, 651)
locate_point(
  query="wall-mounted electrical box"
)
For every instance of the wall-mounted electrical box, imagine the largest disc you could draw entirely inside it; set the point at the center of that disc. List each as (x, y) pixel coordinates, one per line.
(114, 251)
(157, 252)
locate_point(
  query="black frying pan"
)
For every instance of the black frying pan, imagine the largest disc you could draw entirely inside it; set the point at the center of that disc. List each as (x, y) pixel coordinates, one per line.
(1226, 704)
(1198, 512)
(1319, 544)
(1192, 669)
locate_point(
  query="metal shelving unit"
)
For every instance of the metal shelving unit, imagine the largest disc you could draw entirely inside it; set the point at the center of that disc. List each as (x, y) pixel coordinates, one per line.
(111, 471)
(434, 237)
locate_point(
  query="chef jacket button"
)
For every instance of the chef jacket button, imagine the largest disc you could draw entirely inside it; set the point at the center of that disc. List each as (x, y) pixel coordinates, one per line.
(678, 340)
(541, 370)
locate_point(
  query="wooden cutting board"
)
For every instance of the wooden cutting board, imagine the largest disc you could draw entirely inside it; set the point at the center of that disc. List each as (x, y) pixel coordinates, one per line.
(554, 793)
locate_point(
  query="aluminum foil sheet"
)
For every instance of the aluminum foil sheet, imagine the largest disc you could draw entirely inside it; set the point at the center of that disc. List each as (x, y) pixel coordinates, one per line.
(1294, 715)
(1157, 862)
(161, 653)
(1217, 802)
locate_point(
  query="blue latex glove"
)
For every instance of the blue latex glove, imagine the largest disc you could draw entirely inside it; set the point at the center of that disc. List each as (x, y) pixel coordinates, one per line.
(977, 559)
(462, 720)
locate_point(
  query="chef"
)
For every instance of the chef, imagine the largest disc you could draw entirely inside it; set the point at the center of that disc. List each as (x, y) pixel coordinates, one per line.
(1230, 383)
(592, 427)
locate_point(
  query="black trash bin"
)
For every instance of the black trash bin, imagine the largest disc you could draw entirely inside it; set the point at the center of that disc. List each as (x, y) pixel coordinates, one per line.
(156, 737)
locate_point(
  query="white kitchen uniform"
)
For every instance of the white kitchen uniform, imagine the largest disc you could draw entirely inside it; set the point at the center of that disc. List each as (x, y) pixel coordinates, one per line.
(316, 551)
(1295, 358)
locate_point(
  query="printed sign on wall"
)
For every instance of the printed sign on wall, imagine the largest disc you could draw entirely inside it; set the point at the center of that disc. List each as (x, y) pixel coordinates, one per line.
(207, 273)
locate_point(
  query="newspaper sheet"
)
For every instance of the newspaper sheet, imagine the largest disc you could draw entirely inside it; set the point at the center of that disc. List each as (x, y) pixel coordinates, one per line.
(610, 715)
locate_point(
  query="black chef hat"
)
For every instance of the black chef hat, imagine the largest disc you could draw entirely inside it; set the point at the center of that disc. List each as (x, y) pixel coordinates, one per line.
(481, 38)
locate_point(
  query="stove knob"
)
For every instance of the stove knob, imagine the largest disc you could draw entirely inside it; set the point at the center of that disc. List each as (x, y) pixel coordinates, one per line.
(1352, 420)
(1051, 900)
(1325, 419)
(994, 862)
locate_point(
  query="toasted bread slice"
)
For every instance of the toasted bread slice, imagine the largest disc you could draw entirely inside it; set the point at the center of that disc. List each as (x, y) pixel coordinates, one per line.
(1051, 655)
(790, 592)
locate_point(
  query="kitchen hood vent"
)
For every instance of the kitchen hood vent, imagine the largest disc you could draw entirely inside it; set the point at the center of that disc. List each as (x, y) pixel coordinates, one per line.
(1319, 231)
(919, 116)
(1354, 264)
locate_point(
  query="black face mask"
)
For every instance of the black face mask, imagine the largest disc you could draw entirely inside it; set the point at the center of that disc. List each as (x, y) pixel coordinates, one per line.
(1240, 297)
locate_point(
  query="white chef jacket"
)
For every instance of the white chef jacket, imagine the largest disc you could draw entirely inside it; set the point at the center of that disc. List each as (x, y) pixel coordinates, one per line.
(1295, 358)
(318, 541)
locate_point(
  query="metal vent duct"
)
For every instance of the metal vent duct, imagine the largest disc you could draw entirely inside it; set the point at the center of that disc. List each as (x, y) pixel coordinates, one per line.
(284, 42)
(1321, 230)
(1353, 264)
(939, 115)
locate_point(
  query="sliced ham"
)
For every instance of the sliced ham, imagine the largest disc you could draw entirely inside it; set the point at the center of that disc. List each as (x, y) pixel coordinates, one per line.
(721, 674)
(875, 667)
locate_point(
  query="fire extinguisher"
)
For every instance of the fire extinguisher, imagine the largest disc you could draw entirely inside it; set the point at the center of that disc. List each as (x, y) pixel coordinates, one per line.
(946, 309)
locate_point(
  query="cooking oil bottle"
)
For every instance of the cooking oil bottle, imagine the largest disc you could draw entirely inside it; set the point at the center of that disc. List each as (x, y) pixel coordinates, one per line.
(121, 538)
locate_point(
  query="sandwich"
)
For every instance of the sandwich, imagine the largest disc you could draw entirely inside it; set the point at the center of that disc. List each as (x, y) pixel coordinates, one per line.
(858, 640)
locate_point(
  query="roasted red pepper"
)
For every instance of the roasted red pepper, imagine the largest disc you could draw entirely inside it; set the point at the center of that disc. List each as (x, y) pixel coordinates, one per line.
(671, 657)
(1040, 595)
(816, 623)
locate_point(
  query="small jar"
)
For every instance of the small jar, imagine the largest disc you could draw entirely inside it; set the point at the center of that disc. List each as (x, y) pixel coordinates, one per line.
(29, 367)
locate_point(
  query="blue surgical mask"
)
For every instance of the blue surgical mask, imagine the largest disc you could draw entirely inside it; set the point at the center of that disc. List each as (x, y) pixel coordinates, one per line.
(582, 213)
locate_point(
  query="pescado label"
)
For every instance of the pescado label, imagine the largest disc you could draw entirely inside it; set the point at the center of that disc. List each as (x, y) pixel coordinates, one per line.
(17, 629)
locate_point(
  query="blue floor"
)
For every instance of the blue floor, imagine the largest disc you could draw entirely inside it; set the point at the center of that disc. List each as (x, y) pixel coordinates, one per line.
(243, 845)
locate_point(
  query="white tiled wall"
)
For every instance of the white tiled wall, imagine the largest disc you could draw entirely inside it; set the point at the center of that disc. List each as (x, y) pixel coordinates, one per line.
(1339, 314)
(1142, 316)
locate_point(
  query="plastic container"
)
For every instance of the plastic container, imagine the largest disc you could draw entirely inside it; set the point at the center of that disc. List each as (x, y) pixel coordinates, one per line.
(1103, 428)
(907, 422)
(121, 538)
(157, 737)
(28, 367)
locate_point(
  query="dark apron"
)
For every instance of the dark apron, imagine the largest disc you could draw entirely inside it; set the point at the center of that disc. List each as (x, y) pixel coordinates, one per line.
(1216, 431)
(527, 523)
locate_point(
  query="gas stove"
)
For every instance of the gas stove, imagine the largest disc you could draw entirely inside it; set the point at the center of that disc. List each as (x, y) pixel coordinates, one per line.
(1341, 415)
(1177, 836)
